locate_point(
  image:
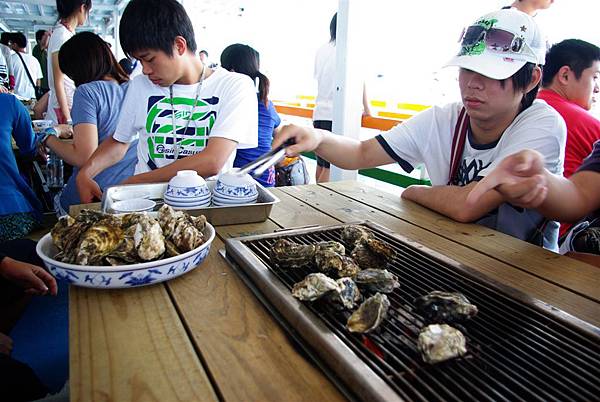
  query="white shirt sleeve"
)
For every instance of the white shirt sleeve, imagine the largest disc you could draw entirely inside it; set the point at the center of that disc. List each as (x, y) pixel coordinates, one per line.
(539, 128)
(58, 37)
(237, 119)
(409, 142)
(127, 130)
(36, 72)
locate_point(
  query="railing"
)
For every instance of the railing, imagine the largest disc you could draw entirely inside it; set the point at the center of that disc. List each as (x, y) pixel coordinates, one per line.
(376, 123)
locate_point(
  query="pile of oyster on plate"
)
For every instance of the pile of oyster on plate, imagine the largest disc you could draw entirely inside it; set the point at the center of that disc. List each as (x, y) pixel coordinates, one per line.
(96, 238)
(342, 276)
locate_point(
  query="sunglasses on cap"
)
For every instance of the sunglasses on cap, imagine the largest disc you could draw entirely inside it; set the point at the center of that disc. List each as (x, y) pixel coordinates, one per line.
(495, 39)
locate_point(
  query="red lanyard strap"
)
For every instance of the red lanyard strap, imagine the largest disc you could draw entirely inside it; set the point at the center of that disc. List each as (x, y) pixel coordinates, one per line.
(458, 144)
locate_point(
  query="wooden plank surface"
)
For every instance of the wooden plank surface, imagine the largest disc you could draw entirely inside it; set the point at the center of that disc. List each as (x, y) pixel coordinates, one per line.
(348, 210)
(577, 276)
(248, 353)
(130, 345)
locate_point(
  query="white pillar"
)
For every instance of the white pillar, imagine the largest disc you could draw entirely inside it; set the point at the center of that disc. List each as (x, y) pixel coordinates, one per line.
(347, 101)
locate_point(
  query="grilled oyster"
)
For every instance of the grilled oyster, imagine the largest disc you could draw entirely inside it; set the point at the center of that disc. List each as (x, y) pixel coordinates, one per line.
(346, 296)
(352, 235)
(171, 249)
(440, 342)
(373, 253)
(148, 238)
(313, 287)
(331, 246)
(444, 307)
(97, 242)
(285, 253)
(369, 315)
(335, 265)
(377, 280)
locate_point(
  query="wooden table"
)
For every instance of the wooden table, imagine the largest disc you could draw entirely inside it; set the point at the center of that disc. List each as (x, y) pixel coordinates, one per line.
(204, 336)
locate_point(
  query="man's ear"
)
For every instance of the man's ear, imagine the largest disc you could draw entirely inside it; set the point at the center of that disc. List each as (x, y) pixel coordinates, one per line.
(536, 77)
(563, 75)
(180, 45)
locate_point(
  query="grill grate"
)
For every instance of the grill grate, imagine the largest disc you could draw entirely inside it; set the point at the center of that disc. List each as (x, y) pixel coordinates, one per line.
(515, 352)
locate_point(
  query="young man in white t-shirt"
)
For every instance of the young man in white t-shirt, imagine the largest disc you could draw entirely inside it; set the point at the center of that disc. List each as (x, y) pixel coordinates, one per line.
(186, 115)
(21, 63)
(499, 78)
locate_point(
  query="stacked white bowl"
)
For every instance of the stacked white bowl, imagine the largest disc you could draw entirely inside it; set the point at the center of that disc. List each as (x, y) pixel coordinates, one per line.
(187, 190)
(234, 189)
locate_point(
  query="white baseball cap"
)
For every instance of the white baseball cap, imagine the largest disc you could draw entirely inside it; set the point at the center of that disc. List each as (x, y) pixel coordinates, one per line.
(498, 44)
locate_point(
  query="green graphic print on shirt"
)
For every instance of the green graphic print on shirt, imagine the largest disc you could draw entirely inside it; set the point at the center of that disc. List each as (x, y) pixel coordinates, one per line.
(159, 126)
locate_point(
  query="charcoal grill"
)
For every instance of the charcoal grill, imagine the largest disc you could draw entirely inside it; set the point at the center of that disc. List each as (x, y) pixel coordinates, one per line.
(518, 348)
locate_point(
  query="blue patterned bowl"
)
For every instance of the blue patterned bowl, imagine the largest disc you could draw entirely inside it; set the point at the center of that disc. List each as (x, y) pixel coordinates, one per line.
(124, 276)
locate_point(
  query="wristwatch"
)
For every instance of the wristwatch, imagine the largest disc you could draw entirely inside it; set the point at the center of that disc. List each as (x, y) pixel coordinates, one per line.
(44, 135)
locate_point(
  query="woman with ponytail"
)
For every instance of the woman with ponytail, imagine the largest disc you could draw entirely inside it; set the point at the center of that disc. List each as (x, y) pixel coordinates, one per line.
(245, 60)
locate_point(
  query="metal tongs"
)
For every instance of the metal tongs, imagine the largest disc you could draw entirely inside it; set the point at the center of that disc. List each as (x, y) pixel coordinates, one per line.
(265, 161)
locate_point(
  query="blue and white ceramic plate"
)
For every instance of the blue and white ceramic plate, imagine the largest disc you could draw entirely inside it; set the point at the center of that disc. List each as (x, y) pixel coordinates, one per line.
(194, 200)
(189, 204)
(124, 276)
(245, 191)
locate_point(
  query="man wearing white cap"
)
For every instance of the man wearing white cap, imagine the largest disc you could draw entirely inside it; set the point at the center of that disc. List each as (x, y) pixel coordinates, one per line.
(461, 142)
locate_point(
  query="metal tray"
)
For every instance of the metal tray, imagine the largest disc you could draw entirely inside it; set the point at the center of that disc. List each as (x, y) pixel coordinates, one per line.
(226, 215)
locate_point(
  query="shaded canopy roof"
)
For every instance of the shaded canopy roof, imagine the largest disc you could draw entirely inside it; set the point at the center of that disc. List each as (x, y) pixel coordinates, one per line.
(28, 16)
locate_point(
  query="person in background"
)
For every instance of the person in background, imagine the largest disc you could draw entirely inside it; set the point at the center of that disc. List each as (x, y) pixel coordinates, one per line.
(4, 78)
(531, 7)
(72, 14)
(6, 51)
(19, 206)
(101, 86)
(570, 84)
(126, 65)
(40, 52)
(187, 116)
(324, 73)
(22, 64)
(203, 54)
(244, 59)
(460, 143)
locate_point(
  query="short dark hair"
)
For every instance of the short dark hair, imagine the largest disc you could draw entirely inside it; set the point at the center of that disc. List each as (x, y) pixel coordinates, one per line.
(521, 80)
(86, 57)
(154, 24)
(67, 7)
(5, 38)
(19, 39)
(244, 59)
(203, 51)
(575, 53)
(39, 34)
(333, 28)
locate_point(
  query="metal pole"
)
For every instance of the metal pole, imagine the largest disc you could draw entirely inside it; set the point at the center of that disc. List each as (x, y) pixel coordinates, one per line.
(347, 100)
(116, 33)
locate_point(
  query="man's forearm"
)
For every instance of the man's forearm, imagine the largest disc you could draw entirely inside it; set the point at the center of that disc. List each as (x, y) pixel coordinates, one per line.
(451, 201)
(109, 152)
(566, 200)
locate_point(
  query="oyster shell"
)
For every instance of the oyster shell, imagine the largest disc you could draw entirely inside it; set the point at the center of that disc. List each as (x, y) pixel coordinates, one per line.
(377, 280)
(313, 287)
(440, 342)
(148, 238)
(444, 307)
(346, 296)
(285, 253)
(369, 315)
(97, 242)
(183, 230)
(171, 249)
(331, 246)
(335, 265)
(352, 235)
(125, 250)
(373, 253)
